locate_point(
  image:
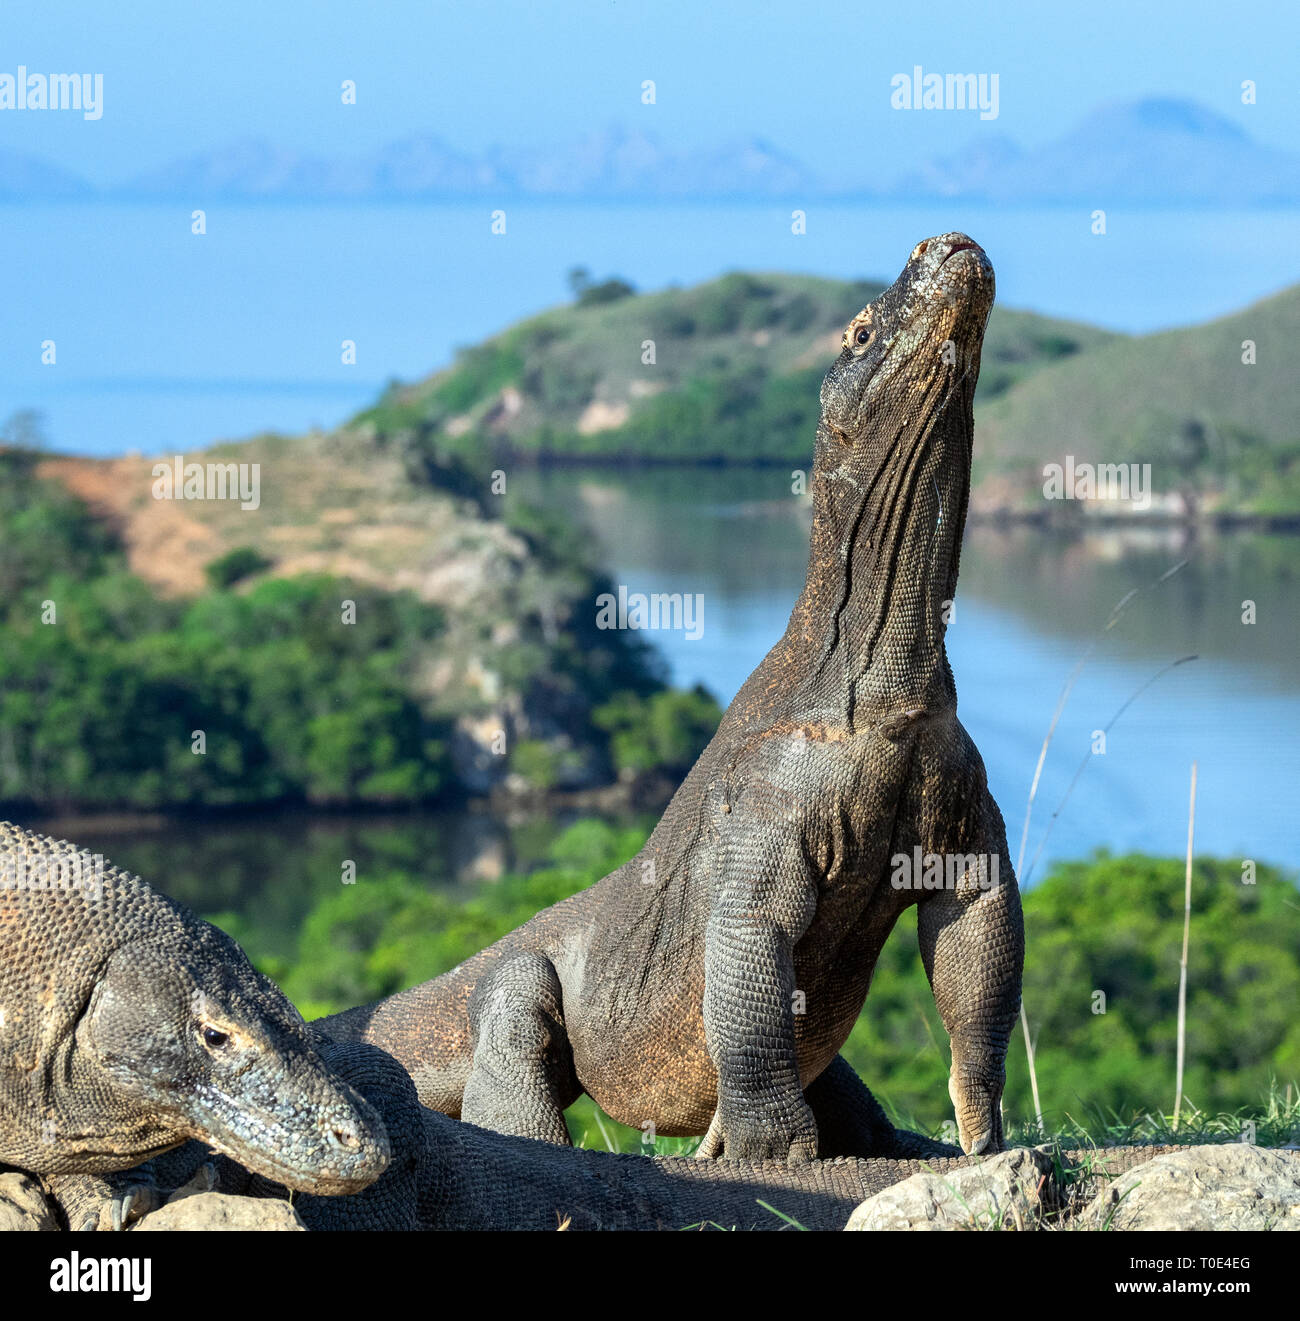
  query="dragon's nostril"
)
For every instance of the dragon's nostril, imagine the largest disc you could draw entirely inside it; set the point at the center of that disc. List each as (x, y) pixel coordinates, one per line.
(920, 248)
(346, 1137)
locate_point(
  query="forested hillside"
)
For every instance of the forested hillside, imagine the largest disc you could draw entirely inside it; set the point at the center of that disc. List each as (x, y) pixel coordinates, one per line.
(311, 677)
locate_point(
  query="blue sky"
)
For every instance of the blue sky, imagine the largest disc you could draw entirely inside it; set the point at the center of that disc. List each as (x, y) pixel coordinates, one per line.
(811, 78)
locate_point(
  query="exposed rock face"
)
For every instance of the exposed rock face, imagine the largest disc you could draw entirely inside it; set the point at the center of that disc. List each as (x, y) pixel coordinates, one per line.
(601, 415)
(1008, 1191)
(23, 1205)
(1211, 1187)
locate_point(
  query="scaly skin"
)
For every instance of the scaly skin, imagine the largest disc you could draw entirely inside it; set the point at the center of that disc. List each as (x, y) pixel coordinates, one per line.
(127, 1026)
(496, 1182)
(667, 991)
(450, 1175)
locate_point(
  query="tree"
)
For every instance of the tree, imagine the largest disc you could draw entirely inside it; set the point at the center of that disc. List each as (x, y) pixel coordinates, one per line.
(578, 280)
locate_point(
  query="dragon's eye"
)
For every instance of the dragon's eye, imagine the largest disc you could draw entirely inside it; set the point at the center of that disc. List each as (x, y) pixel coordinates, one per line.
(863, 336)
(215, 1037)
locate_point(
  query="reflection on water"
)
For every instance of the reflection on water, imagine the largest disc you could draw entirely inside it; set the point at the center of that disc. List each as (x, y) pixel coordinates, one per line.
(1029, 605)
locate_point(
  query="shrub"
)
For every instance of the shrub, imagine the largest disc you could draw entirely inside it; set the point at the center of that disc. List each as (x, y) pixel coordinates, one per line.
(666, 731)
(607, 291)
(236, 565)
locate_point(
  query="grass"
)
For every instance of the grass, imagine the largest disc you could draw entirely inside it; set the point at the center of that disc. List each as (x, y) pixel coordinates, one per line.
(1275, 1121)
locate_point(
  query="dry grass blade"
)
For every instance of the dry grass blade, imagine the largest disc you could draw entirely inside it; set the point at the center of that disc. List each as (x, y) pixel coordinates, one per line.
(1116, 612)
(1182, 967)
(1087, 756)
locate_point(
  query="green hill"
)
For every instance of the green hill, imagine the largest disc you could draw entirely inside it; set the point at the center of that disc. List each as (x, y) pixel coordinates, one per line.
(1211, 426)
(724, 372)
(728, 372)
(366, 639)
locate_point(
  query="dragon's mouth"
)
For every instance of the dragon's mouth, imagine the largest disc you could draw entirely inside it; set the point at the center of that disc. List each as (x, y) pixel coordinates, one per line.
(342, 1151)
(959, 247)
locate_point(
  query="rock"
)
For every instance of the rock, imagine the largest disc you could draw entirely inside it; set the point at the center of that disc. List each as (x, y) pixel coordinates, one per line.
(1213, 1187)
(209, 1211)
(1009, 1190)
(23, 1205)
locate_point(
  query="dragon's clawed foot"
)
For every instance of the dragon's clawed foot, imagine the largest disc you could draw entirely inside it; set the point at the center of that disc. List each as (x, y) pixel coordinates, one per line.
(793, 1140)
(107, 1202)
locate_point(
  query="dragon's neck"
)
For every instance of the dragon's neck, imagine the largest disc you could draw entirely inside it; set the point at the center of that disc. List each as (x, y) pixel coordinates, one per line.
(882, 569)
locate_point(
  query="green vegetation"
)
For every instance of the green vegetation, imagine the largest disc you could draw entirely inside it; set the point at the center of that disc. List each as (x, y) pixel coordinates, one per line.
(724, 372)
(1111, 925)
(306, 689)
(728, 372)
(236, 565)
(109, 695)
(1114, 926)
(1215, 425)
(480, 371)
(666, 731)
(586, 293)
(719, 416)
(46, 531)
(544, 766)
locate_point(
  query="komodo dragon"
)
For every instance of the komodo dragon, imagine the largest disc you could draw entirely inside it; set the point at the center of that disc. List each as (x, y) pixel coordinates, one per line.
(442, 1174)
(710, 981)
(127, 1026)
(452, 1175)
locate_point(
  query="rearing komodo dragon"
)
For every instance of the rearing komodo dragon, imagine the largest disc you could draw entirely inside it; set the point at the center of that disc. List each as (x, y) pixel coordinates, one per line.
(710, 981)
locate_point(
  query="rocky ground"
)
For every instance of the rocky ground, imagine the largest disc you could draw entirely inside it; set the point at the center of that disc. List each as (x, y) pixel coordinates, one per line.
(1224, 1187)
(1200, 1188)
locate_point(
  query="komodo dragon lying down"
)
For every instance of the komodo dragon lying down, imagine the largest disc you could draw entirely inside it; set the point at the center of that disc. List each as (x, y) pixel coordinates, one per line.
(711, 980)
(127, 1026)
(451, 1175)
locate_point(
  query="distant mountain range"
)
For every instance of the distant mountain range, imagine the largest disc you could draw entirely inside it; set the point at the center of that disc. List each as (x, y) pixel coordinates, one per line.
(28, 178)
(1154, 151)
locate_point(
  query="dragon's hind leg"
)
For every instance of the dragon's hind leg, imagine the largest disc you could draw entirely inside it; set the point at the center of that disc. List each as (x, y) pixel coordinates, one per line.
(522, 1076)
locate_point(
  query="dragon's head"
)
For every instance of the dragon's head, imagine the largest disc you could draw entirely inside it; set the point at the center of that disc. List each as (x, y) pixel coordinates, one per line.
(188, 1031)
(912, 348)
